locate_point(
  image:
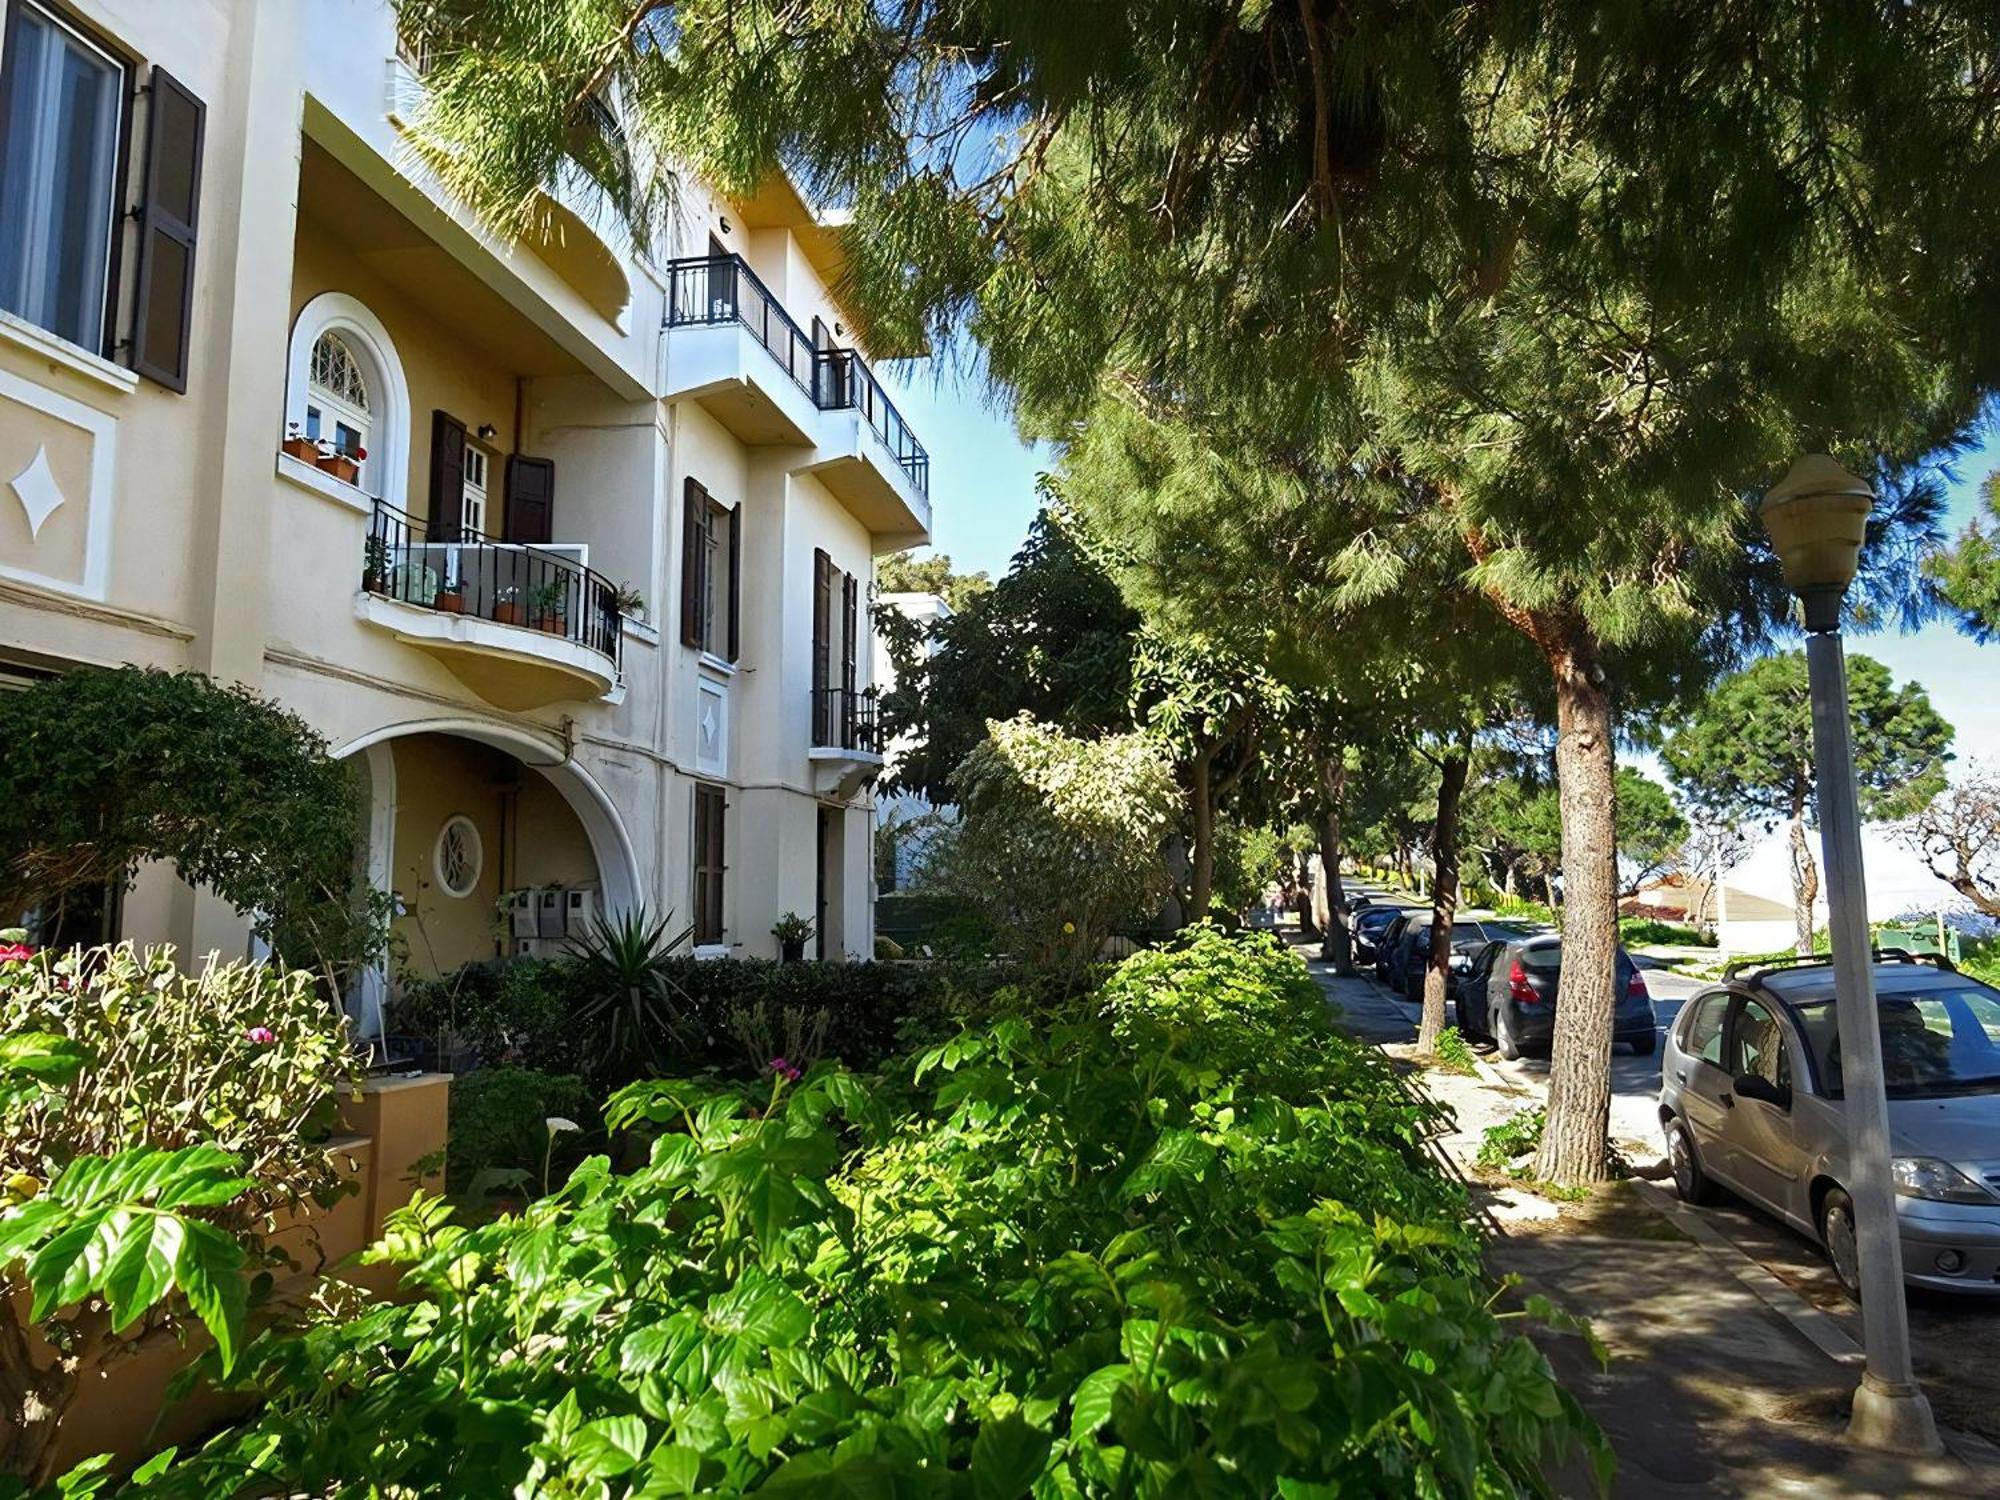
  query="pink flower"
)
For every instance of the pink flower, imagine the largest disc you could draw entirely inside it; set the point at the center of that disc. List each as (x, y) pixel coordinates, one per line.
(263, 1036)
(784, 1069)
(13, 953)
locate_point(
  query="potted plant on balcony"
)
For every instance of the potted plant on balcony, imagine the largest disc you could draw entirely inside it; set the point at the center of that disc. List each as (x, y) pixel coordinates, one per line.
(791, 930)
(507, 608)
(375, 564)
(346, 467)
(630, 602)
(450, 597)
(550, 605)
(298, 445)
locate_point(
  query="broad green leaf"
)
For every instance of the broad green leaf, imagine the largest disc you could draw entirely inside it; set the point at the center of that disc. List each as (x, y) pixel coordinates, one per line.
(1090, 1407)
(608, 1447)
(1008, 1457)
(142, 1266)
(209, 1272)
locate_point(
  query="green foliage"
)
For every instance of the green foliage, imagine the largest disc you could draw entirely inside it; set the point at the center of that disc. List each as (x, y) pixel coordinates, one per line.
(499, 1130)
(1748, 747)
(1053, 638)
(1517, 906)
(101, 769)
(628, 1021)
(1650, 828)
(1453, 1053)
(1967, 573)
(1513, 1138)
(1181, 1227)
(154, 1128)
(906, 573)
(1060, 843)
(1247, 860)
(1635, 931)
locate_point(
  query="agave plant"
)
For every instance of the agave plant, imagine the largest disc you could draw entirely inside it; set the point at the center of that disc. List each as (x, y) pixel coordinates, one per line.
(630, 1013)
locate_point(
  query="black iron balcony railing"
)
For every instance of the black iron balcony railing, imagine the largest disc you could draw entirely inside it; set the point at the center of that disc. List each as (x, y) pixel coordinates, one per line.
(509, 583)
(845, 382)
(712, 289)
(844, 719)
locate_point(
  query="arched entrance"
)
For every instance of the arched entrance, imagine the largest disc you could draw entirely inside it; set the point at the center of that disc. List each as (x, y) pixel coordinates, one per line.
(463, 818)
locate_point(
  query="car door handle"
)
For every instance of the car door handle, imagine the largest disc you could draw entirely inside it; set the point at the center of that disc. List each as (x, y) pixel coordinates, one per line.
(1680, 1075)
(1728, 1100)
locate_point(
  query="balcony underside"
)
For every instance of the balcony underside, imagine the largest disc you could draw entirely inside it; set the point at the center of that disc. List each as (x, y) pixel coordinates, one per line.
(738, 381)
(842, 772)
(859, 471)
(514, 667)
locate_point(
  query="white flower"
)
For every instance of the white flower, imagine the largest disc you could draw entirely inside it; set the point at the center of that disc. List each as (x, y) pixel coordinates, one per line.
(557, 1124)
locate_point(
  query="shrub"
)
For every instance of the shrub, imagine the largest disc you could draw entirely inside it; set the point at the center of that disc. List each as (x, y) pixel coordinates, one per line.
(1452, 1053)
(500, 1137)
(168, 1124)
(1513, 1138)
(1637, 930)
(1181, 1228)
(1060, 841)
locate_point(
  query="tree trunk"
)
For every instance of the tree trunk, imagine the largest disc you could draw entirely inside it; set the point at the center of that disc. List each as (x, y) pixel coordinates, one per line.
(33, 1399)
(1805, 882)
(1575, 1137)
(1444, 891)
(1307, 899)
(1201, 857)
(1337, 942)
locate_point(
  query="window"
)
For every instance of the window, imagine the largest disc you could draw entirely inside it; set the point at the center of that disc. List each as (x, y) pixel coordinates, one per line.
(836, 652)
(1760, 1045)
(459, 856)
(475, 490)
(62, 139)
(337, 397)
(711, 573)
(1704, 1031)
(710, 808)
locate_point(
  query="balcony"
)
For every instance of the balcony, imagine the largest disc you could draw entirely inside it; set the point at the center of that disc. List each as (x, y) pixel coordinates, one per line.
(523, 626)
(869, 459)
(846, 739)
(734, 349)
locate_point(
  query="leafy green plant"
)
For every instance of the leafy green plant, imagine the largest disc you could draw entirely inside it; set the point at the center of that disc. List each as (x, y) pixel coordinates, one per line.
(1176, 1227)
(1638, 930)
(1453, 1054)
(792, 928)
(154, 1126)
(499, 1133)
(628, 1016)
(1513, 1138)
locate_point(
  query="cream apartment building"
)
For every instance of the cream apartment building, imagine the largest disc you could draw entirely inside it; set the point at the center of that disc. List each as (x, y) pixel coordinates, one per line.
(564, 545)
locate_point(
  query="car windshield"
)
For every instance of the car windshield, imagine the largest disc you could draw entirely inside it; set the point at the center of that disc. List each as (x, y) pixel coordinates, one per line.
(1935, 1041)
(1547, 958)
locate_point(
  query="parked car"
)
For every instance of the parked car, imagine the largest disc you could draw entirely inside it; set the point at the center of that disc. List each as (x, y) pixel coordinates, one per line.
(1468, 937)
(1508, 997)
(1750, 1098)
(1389, 941)
(1369, 926)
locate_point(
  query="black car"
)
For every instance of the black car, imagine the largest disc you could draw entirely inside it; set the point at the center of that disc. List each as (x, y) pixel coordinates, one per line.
(1508, 997)
(1468, 937)
(1388, 940)
(1369, 926)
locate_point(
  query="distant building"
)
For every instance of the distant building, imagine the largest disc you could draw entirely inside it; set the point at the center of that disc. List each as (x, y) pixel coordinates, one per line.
(903, 821)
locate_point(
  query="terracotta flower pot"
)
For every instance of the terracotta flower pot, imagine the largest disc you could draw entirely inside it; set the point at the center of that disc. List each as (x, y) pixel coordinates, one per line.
(449, 601)
(507, 613)
(304, 448)
(341, 467)
(553, 624)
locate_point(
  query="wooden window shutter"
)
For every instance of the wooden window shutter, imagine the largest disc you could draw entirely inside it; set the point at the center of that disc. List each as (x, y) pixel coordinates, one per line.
(447, 477)
(694, 535)
(822, 663)
(736, 581)
(163, 310)
(851, 636)
(531, 498)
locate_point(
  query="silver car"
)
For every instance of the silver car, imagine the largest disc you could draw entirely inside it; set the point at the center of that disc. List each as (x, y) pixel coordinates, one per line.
(1750, 1098)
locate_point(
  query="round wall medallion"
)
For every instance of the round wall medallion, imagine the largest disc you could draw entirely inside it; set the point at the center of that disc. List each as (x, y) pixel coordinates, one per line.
(458, 856)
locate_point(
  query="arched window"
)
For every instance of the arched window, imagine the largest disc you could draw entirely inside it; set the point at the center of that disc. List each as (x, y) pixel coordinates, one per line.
(344, 384)
(337, 396)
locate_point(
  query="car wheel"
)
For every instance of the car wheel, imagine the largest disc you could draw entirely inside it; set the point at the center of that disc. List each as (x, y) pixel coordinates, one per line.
(1836, 1232)
(1503, 1035)
(1690, 1182)
(1643, 1046)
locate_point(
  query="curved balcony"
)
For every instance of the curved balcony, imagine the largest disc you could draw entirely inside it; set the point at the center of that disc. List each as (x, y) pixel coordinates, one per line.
(522, 626)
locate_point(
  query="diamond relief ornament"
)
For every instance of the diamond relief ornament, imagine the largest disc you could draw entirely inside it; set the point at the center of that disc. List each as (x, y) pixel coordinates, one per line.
(708, 723)
(36, 488)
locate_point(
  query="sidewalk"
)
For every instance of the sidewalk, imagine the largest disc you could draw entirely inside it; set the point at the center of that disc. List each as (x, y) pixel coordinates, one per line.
(1716, 1386)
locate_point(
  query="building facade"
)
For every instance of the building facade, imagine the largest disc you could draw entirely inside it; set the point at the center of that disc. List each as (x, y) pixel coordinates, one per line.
(563, 544)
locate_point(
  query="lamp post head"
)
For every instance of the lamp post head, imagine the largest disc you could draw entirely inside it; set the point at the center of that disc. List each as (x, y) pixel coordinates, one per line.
(1817, 516)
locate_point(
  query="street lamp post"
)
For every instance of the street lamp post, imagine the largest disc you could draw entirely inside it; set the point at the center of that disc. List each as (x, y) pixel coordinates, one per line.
(1817, 516)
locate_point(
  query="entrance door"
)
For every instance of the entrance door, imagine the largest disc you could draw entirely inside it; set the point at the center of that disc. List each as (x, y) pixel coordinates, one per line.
(828, 850)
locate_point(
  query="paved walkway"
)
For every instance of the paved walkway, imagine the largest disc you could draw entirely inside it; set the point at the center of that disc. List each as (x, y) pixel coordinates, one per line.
(1714, 1387)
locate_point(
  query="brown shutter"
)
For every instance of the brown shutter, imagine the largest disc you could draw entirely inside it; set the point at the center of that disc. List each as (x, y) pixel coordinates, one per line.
(531, 498)
(822, 715)
(447, 477)
(851, 608)
(694, 530)
(163, 309)
(736, 581)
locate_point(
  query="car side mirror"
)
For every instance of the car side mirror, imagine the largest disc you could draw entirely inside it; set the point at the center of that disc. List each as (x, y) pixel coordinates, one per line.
(1755, 1086)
